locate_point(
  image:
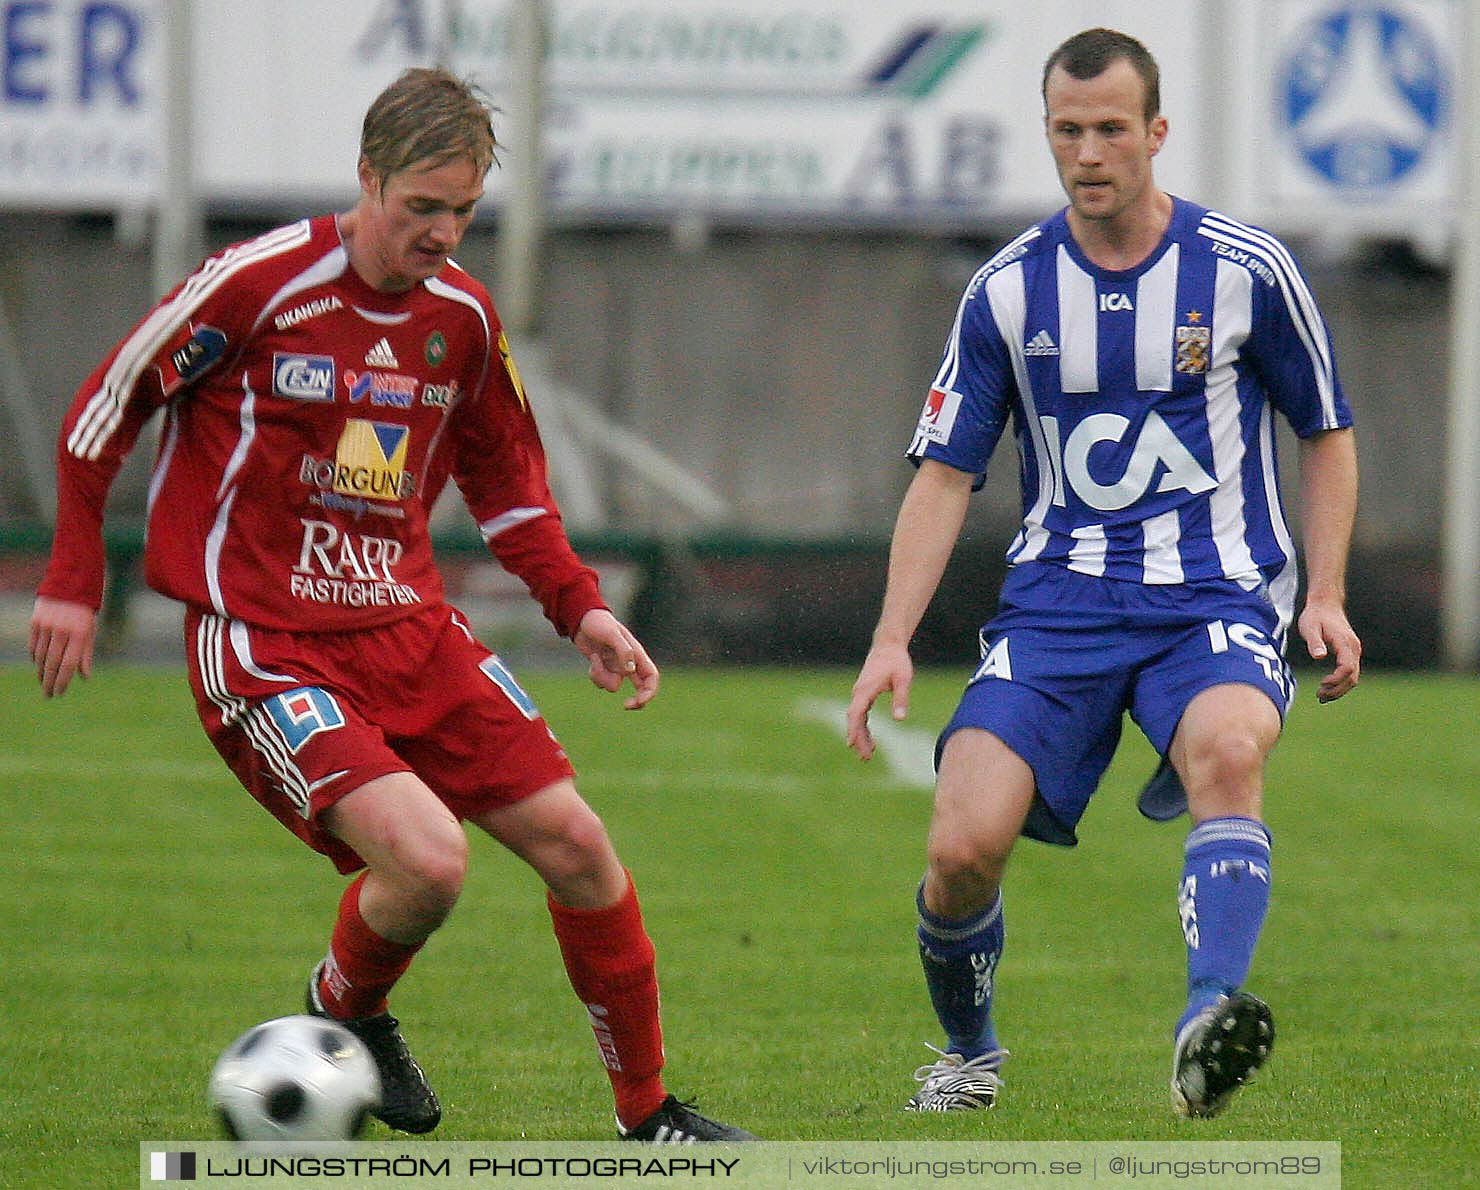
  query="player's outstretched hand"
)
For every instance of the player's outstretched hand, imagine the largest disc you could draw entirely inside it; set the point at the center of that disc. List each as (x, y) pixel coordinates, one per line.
(62, 636)
(1325, 629)
(887, 667)
(616, 656)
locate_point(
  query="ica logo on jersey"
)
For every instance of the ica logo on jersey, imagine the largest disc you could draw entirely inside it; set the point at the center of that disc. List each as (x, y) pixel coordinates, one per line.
(1156, 448)
(1113, 302)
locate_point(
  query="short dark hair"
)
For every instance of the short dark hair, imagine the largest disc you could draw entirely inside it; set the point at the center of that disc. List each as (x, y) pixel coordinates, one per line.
(430, 116)
(1089, 54)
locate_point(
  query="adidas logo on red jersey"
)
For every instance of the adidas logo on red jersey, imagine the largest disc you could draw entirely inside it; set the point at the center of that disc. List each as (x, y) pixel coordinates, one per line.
(381, 356)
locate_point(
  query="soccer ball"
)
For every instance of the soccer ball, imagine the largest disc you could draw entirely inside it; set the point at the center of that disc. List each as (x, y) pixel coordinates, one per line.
(295, 1078)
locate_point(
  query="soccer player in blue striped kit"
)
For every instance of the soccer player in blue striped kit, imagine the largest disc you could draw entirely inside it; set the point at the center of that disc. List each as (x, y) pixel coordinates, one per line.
(1140, 346)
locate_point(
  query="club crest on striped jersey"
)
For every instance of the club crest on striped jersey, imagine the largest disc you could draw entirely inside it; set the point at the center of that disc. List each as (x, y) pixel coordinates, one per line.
(1194, 347)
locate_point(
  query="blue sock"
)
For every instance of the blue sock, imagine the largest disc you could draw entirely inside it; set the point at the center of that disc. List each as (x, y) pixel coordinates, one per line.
(960, 961)
(1222, 902)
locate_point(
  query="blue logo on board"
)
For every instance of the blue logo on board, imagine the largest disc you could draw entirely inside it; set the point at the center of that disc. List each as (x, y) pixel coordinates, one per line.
(1364, 94)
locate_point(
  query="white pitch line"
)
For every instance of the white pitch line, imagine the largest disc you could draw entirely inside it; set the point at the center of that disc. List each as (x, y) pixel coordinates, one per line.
(781, 784)
(908, 751)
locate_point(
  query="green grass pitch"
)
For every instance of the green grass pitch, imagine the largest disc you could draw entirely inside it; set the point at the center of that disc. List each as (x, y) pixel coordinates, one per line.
(151, 913)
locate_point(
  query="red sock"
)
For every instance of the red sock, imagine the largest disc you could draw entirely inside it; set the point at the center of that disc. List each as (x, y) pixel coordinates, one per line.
(361, 966)
(610, 961)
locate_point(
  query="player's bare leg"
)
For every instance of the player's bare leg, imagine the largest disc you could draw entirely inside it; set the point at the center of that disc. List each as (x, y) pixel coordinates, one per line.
(415, 851)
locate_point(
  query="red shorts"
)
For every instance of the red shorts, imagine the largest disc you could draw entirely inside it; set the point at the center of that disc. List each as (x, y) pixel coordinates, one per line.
(304, 718)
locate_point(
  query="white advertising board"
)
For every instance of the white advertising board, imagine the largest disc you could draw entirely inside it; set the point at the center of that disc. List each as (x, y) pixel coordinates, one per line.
(915, 112)
(913, 109)
(1357, 115)
(81, 122)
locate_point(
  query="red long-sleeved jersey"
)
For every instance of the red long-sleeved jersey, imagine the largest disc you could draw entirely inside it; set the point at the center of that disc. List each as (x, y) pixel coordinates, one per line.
(311, 422)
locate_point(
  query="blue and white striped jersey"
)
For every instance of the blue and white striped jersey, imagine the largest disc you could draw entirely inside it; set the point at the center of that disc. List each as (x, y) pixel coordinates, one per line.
(1141, 400)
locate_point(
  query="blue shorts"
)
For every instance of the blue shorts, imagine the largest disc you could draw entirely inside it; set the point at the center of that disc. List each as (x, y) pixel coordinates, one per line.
(1068, 654)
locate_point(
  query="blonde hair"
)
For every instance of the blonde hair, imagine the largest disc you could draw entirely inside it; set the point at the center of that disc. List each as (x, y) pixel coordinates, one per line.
(428, 116)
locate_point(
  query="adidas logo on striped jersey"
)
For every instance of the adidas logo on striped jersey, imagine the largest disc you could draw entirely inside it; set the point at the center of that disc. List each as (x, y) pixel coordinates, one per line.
(381, 356)
(1041, 344)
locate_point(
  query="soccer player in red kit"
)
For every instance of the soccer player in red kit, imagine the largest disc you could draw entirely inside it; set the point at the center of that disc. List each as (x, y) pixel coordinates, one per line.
(320, 385)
